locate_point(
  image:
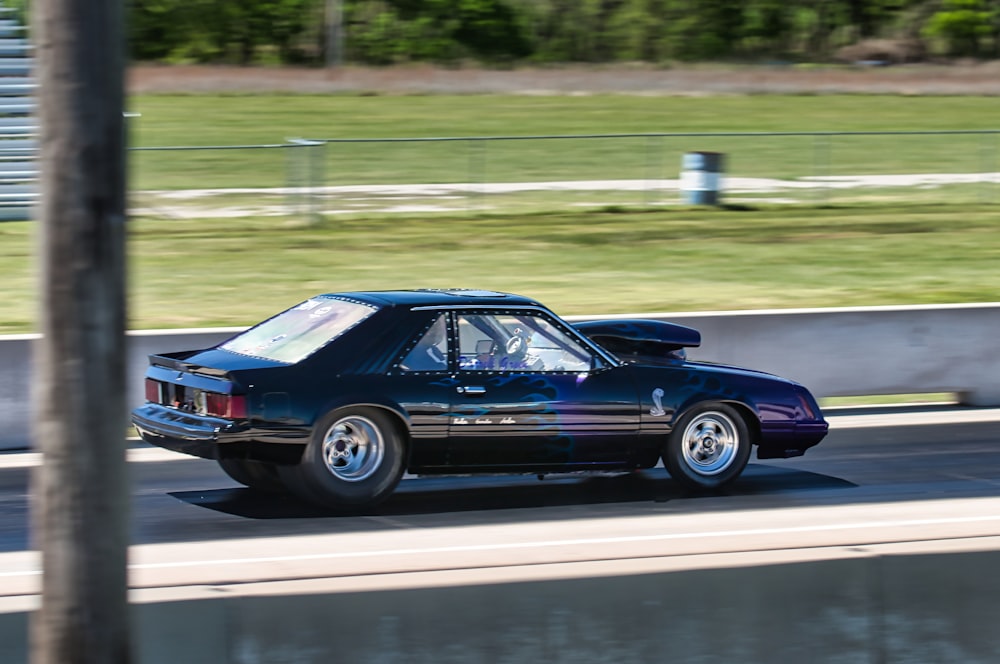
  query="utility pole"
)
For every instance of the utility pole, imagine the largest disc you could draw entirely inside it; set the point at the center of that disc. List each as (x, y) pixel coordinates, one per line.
(80, 492)
(334, 33)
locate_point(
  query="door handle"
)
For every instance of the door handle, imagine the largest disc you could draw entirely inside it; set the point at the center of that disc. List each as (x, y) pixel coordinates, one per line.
(472, 389)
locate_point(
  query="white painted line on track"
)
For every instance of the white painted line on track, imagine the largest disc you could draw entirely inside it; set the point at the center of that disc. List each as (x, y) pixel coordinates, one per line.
(543, 544)
(133, 454)
(589, 541)
(948, 416)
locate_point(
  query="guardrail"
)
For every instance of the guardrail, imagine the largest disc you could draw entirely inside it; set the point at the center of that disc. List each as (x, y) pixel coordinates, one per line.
(835, 352)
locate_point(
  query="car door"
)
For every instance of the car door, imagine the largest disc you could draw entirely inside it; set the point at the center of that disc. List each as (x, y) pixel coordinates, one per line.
(531, 393)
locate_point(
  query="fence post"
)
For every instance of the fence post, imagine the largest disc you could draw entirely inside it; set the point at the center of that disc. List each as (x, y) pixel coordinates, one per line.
(477, 173)
(821, 163)
(988, 165)
(653, 166)
(317, 179)
(305, 173)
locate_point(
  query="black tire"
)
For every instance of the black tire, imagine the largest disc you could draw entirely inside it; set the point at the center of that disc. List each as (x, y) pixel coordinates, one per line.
(355, 458)
(708, 448)
(258, 475)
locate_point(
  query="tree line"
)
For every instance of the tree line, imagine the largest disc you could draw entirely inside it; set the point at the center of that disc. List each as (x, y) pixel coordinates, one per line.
(499, 32)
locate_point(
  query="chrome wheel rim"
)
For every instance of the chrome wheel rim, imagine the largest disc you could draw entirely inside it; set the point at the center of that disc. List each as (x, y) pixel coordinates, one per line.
(353, 448)
(710, 443)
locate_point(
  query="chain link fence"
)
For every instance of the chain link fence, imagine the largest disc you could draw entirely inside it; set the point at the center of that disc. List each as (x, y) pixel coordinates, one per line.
(513, 174)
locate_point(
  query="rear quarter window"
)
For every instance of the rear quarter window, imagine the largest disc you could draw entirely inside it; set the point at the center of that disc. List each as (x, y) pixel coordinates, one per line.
(297, 333)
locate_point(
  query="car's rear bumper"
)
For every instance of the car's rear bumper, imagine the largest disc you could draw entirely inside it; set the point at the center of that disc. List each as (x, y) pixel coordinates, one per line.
(188, 433)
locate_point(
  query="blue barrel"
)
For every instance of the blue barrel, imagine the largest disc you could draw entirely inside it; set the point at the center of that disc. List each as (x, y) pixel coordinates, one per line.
(701, 177)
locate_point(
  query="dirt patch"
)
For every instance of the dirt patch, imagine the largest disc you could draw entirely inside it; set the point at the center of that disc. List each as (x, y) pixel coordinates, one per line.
(960, 79)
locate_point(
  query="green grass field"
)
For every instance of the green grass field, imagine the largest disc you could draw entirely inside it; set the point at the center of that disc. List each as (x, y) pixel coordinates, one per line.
(187, 273)
(268, 119)
(253, 119)
(926, 245)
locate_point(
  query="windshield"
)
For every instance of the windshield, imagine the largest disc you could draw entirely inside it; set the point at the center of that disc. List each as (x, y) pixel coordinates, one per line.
(302, 330)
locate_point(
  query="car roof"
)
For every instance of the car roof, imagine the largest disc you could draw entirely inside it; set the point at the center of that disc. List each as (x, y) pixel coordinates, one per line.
(433, 297)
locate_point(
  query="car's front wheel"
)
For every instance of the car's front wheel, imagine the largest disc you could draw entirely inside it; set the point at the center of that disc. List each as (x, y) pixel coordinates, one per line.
(355, 458)
(708, 448)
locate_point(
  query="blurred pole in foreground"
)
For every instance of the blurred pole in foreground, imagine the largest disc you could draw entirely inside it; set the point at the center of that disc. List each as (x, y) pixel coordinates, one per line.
(80, 493)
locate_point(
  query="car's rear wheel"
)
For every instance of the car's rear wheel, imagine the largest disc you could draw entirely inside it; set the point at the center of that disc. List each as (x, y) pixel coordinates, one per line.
(355, 458)
(708, 448)
(258, 475)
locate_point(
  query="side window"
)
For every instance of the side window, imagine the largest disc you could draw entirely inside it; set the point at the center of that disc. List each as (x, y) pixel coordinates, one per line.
(517, 342)
(431, 352)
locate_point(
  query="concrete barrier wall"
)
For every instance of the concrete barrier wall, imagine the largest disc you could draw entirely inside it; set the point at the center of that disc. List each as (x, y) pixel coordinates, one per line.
(859, 608)
(834, 352)
(15, 371)
(862, 351)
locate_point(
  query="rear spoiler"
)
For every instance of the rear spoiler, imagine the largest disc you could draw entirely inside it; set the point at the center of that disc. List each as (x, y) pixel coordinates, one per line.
(175, 362)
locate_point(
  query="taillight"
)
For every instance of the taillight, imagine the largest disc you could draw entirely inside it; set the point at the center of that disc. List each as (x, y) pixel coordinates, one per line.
(228, 406)
(807, 406)
(153, 391)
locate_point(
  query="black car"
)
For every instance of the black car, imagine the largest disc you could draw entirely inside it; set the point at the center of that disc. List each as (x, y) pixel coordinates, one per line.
(335, 398)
